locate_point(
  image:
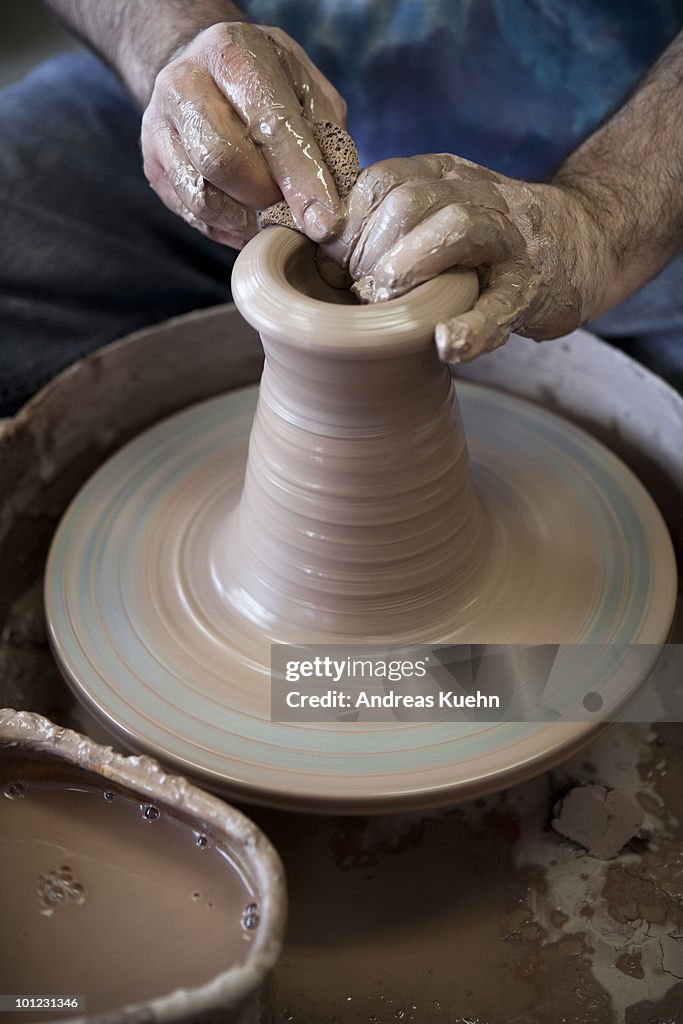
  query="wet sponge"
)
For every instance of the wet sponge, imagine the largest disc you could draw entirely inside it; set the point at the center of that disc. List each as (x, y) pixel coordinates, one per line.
(341, 156)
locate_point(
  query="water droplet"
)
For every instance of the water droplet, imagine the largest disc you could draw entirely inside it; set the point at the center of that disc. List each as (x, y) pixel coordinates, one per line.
(202, 842)
(150, 812)
(108, 795)
(14, 790)
(251, 917)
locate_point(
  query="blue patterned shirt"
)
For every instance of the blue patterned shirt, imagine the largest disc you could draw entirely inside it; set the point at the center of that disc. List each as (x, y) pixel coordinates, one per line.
(513, 84)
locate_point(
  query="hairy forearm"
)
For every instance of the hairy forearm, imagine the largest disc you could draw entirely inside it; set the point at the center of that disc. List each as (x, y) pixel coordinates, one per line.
(138, 37)
(630, 174)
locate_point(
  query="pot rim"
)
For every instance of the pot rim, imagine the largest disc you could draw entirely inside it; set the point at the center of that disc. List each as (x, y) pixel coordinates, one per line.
(268, 300)
(142, 774)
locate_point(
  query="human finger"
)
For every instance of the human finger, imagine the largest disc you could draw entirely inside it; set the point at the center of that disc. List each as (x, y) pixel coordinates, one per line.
(404, 208)
(249, 71)
(207, 203)
(374, 184)
(500, 309)
(216, 141)
(455, 235)
(166, 192)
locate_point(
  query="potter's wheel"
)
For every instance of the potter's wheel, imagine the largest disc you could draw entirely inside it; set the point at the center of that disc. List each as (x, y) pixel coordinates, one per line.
(473, 863)
(151, 647)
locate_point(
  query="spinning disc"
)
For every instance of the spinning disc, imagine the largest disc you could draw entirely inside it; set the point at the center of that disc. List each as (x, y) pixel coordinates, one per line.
(151, 640)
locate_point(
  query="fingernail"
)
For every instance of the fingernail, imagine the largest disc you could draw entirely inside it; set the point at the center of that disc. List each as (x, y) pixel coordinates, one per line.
(320, 223)
(452, 346)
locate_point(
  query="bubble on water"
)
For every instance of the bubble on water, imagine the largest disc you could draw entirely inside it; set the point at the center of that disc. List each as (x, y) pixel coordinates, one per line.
(57, 888)
(150, 812)
(108, 795)
(202, 842)
(14, 790)
(250, 917)
(77, 892)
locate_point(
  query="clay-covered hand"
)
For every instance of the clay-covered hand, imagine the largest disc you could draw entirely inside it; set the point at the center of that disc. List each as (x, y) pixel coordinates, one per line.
(537, 248)
(227, 132)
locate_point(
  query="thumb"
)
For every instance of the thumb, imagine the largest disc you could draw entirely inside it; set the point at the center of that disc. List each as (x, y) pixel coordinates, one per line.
(498, 311)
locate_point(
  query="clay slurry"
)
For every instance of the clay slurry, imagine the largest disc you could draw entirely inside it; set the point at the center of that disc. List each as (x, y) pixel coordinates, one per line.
(113, 898)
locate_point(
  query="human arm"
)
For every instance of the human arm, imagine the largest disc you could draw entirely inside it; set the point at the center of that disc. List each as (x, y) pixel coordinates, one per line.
(550, 256)
(228, 105)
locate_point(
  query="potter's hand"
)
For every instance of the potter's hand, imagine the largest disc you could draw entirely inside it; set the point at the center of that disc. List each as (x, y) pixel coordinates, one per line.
(536, 247)
(227, 132)
(550, 257)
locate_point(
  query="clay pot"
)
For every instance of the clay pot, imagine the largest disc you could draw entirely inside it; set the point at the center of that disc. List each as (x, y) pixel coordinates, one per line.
(358, 514)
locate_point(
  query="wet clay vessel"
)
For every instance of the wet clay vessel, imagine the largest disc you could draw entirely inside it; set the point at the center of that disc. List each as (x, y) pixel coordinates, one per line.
(162, 901)
(361, 513)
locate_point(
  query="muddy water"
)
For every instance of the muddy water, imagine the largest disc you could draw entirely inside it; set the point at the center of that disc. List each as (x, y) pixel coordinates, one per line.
(107, 896)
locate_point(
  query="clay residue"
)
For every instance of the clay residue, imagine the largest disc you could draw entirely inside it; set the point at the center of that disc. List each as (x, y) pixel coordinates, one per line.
(431, 924)
(668, 1010)
(600, 820)
(359, 843)
(632, 896)
(28, 674)
(631, 964)
(563, 968)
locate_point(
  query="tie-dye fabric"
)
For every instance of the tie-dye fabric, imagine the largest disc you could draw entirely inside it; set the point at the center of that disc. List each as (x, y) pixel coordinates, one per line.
(513, 84)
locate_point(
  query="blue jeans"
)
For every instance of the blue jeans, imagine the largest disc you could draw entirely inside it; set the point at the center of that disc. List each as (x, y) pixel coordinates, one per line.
(88, 253)
(87, 250)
